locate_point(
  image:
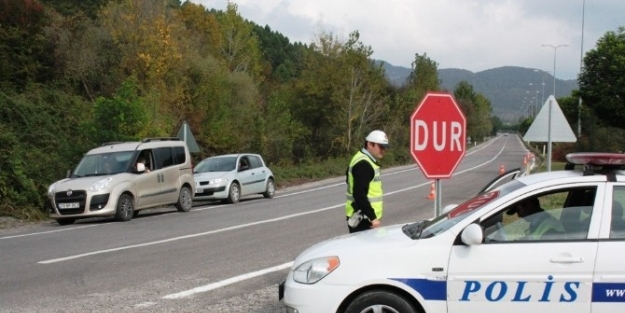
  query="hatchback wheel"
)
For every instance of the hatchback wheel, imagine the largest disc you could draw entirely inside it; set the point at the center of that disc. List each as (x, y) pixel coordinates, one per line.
(234, 194)
(270, 190)
(185, 200)
(125, 208)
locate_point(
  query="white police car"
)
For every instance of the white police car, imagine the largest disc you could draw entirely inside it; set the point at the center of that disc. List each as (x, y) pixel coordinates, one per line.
(482, 256)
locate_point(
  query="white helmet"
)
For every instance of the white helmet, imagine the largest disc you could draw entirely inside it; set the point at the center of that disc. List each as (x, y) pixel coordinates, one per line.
(379, 137)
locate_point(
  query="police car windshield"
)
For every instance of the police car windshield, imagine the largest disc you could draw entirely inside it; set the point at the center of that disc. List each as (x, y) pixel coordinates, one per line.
(427, 229)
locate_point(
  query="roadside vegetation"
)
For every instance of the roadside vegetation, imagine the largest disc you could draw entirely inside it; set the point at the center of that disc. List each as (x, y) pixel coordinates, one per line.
(75, 74)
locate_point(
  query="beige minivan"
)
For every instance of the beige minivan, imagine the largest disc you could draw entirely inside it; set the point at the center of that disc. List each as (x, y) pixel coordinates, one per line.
(120, 179)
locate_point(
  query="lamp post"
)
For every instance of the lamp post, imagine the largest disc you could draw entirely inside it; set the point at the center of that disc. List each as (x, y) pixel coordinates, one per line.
(555, 49)
(581, 64)
(542, 95)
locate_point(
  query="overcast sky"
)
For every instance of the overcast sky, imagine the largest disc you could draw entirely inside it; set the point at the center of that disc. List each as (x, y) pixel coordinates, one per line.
(475, 35)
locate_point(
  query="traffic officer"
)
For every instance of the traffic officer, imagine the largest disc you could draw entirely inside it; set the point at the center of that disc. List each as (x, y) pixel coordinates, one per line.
(364, 184)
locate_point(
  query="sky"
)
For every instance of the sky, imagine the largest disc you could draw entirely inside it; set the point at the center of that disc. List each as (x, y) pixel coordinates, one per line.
(474, 35)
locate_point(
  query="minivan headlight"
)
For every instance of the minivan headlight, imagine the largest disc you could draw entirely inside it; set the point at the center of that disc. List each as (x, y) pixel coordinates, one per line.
(314, 270)
(100, 184)
(51, 189)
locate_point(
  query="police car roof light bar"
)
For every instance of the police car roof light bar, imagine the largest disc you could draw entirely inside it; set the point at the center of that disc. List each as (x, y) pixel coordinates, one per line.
(596, 158)
(591, 160)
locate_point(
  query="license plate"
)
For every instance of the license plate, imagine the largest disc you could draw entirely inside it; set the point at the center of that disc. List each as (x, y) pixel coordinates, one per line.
(199, 190)
(70, 205)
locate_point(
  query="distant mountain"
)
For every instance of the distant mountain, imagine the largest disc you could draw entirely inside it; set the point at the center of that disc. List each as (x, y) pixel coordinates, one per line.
(508, 88)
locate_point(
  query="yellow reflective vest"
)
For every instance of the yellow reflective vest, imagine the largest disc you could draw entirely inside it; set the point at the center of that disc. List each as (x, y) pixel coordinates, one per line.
(375, 186)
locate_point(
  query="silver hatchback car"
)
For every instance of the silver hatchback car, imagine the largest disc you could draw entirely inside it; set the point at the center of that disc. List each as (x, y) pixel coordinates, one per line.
(232, 176)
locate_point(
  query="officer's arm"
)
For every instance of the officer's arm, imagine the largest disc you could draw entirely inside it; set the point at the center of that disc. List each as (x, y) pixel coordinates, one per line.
(363, 175)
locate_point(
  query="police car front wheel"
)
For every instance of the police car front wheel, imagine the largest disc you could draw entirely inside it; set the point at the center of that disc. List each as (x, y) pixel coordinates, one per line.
(380, 301)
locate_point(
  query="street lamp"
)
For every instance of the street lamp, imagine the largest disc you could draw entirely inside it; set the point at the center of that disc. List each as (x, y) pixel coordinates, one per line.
(542, 95)
(555, 48)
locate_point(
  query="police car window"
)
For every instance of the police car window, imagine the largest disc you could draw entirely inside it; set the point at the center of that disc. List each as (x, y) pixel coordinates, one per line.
(617, 219)
(544, 217)
(443, 222)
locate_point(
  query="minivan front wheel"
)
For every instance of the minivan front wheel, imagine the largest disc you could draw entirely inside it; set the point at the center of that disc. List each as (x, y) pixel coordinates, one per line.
(125, 208)
(185, 200)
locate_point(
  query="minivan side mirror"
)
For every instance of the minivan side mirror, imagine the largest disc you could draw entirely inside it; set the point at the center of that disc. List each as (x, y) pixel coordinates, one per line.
(68, 174)
(472, 235)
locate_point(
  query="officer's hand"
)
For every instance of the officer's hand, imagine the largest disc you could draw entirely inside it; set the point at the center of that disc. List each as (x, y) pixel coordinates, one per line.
(375, 223)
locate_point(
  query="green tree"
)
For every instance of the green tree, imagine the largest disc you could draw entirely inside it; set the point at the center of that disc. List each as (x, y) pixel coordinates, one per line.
(602, 80)
(24, 54)
(38, 144)
(239, 45)
(422, 78)
(361, 93)
(476, 108)
(121, 117)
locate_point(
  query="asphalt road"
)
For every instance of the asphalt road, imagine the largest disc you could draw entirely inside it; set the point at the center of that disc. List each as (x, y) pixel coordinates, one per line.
(216, 258)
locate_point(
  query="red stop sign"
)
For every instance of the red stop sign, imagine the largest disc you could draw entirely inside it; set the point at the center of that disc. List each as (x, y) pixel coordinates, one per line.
(437, 135)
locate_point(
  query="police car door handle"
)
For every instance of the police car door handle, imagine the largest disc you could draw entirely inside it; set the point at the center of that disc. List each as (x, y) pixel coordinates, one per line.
(567, 259)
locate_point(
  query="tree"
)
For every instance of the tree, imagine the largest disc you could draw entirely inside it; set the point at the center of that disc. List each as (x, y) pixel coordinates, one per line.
(361, 93)
(422, 78)
(476, 108)
(122, 117)
(24, 57)
(602, 80)
(239, 45)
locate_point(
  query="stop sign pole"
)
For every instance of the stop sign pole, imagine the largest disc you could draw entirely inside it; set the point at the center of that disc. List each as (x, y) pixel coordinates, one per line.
(437, 138)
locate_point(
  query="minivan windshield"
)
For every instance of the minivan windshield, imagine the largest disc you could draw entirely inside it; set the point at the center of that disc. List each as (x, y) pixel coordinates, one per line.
(216, 164)
(443, 222)
(104, 164)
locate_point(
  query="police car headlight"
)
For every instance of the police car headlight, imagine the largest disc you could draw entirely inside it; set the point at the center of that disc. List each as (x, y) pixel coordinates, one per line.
(314, 270)
(100, 184)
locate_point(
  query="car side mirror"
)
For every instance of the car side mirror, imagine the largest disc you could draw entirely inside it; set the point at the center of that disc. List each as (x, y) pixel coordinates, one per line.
(140, 167)
(472, 235)
(68, 174)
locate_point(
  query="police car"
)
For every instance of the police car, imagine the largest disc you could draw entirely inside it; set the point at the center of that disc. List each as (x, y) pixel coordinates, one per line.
(482, 256)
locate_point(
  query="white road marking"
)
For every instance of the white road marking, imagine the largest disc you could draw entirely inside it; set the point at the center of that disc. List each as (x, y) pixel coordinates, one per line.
(144, 304)
(77, 256)
(226, 282)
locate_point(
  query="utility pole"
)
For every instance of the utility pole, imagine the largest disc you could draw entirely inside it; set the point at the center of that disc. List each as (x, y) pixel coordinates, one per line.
(581, 64)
